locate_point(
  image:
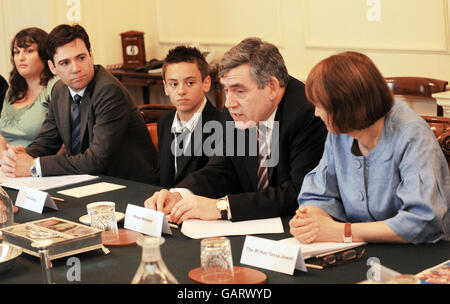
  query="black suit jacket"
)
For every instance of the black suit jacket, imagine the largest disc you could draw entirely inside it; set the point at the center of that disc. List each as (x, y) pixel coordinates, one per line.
(3, 89)
(114, 138)
(186, 163)
(300, 147)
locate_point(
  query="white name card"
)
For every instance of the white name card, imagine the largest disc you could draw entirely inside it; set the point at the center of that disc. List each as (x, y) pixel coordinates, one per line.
(34, 200)
(146, 221)
(272, 255)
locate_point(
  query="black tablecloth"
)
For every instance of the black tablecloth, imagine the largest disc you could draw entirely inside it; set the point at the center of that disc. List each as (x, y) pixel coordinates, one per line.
(181, 254)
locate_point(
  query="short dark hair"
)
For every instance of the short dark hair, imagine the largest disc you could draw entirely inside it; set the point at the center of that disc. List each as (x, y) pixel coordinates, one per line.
(351, 90)
(263, 57)
(24, 39)
(186, 54)
(64, 34)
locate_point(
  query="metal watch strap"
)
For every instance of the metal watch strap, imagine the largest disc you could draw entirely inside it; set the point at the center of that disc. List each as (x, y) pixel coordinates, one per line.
(33, 170)
(224, 215)
(223, 211)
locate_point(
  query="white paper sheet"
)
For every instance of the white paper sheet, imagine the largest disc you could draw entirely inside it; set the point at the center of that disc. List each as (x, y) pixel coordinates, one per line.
(314, 249)
(91, 189)
(198, 229)
(44, 183)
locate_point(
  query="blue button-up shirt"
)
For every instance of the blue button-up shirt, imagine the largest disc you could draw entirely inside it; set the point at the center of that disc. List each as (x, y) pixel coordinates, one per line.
(404, 181)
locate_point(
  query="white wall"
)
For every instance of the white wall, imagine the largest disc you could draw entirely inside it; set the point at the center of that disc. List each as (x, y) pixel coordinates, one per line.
(403, 37)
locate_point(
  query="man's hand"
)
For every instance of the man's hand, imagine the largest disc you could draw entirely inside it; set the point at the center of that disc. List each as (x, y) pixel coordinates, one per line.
(163, 200)
(16, 162)
(194, 206)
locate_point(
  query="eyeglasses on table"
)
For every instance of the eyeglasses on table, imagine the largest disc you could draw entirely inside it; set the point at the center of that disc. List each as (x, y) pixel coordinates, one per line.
(341, 258)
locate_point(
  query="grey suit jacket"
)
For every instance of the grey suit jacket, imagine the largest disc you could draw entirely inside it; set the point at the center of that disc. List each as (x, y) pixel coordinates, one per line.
(114, 138)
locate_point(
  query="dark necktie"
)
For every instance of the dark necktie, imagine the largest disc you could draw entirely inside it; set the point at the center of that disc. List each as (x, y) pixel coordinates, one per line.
(76, 125)
(263, 176)
(179, 144)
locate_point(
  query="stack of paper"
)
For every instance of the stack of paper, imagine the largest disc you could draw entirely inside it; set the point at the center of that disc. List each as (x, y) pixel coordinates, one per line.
(319, 248)
(44, 183)
(198, 229)
(91, 189)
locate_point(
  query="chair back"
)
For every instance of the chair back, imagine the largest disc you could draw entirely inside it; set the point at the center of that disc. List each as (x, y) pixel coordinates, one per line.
(418, 86)
(152, 112)
(441, 128)
(417, 93)
(153, 131)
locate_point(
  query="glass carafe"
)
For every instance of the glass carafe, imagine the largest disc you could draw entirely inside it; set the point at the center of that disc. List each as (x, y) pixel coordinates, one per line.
(6, 209)
(152, 269)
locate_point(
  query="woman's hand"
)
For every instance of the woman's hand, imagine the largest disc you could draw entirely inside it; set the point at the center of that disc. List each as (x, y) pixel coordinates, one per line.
(312, 224)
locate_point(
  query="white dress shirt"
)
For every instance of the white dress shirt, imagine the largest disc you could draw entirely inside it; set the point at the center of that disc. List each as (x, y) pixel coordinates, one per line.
(38, 163)
(178, 128)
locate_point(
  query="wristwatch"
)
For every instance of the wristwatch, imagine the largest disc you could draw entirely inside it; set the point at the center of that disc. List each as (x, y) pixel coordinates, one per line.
(33, 170)
(348, 233)
(222, 206)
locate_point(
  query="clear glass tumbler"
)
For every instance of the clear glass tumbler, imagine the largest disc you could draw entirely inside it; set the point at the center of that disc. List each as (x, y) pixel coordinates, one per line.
(216, 260)
(103, 216)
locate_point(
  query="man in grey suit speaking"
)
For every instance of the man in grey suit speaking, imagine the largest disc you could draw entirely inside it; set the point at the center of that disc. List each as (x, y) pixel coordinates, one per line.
(92, 114)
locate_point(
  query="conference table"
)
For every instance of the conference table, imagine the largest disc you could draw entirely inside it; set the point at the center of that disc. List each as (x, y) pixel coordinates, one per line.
(182, 254)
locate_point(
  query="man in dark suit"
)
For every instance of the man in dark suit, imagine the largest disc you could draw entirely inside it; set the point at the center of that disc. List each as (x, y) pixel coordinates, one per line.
(3, 89)
(269, 110)
(92, 114)
(186, 81)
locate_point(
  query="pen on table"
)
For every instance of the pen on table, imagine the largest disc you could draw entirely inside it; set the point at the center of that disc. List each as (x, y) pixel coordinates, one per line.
(313, 266)
(57, 199)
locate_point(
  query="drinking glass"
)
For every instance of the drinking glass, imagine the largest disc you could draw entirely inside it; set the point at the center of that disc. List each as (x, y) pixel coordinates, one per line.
(103, 216)
(216, 260)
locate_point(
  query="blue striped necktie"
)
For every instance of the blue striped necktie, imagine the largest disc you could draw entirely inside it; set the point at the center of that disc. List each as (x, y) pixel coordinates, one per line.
(76, 125)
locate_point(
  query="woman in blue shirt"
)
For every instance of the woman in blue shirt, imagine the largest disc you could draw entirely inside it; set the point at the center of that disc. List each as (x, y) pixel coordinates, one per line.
(383, 176)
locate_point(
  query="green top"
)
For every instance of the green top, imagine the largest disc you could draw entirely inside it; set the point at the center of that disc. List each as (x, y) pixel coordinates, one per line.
(20, 126)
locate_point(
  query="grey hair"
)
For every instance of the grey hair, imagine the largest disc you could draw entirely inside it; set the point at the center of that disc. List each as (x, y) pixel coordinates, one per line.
(264, 59)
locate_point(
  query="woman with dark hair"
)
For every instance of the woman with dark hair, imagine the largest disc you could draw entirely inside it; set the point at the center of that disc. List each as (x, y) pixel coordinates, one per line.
(383, 176)
(26, 102)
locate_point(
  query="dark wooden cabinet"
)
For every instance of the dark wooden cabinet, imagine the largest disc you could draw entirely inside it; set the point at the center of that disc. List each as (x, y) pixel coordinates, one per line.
(148, 81)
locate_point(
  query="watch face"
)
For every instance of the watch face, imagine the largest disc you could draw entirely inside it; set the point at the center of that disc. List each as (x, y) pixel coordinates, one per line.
(132, 50)
(222, 204)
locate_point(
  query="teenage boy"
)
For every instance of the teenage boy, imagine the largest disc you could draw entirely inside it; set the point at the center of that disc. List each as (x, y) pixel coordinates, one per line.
(186, 81)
